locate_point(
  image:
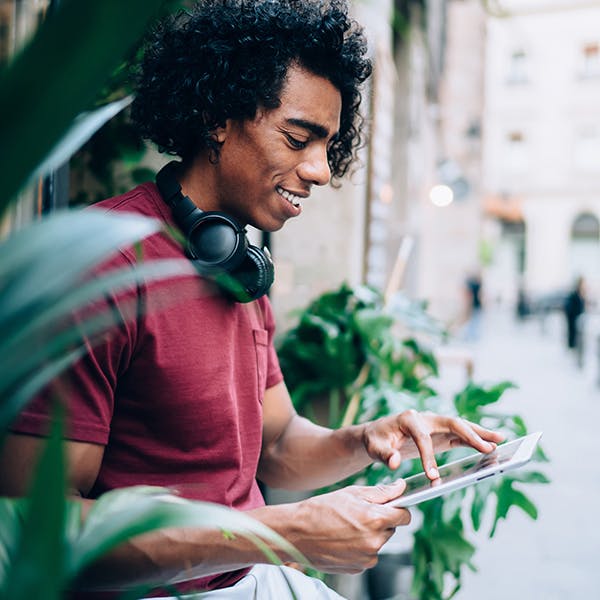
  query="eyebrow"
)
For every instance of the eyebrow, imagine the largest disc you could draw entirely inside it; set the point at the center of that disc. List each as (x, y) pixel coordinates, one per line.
(318, 130)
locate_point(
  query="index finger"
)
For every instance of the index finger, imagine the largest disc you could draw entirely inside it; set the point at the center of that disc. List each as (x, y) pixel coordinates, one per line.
(424, 443)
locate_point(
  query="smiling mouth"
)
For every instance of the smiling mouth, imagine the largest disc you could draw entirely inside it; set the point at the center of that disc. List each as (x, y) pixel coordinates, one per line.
(291, 198)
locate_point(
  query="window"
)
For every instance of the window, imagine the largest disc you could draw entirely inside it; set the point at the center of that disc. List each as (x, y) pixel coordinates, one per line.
(518, 67)
(517, 159)
(591, 60)
(585, 227)
(586, 150)
(584, 251)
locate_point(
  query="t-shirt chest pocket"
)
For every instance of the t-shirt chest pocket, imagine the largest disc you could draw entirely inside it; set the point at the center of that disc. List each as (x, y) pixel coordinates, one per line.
(261, 344)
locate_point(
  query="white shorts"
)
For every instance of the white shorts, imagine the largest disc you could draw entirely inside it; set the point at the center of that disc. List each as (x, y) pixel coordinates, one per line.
(268, 582)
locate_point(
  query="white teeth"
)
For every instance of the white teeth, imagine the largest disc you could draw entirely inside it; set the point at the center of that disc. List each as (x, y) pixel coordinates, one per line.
(295, 200)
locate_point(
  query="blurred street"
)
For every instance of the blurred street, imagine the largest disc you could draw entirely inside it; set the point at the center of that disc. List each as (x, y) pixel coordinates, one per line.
(555, 557)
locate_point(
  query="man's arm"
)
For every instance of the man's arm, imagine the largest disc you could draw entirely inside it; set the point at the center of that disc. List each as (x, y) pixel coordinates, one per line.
(297, 454)
(337, 532)
(19, 456)
(157, 557)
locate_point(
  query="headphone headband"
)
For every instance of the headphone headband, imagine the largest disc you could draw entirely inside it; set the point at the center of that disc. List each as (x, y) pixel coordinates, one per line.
(168, 184)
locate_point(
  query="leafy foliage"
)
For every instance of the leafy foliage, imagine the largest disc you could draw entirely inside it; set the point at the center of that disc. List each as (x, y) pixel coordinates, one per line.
(70, 58)
(340, 333)
(346, 345)
(39, 293)
(44, 545)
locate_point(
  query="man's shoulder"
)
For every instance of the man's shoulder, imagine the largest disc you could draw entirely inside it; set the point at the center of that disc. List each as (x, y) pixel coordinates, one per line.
(143, 199)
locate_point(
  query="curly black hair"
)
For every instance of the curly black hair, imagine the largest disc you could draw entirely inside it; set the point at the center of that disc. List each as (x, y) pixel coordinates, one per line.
(226, 58)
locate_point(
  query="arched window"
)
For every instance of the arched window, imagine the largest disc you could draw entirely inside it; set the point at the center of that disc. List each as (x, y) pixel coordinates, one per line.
(585, 227)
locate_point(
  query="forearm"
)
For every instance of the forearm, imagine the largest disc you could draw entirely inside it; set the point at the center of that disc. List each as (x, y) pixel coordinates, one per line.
(307, 456)
(170, 556)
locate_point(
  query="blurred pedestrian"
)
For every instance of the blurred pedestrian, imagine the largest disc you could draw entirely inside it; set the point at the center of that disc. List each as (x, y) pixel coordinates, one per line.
(574, 308)
(473, 289)
(523, 308)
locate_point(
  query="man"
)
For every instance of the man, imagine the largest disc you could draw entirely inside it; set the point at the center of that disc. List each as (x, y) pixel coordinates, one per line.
(260, 100)
(574, 307)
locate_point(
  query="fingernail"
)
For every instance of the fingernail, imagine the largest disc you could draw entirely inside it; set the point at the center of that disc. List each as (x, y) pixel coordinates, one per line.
(433, 473)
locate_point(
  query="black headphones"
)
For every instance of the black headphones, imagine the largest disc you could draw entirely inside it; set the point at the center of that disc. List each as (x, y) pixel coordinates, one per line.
(217, 244)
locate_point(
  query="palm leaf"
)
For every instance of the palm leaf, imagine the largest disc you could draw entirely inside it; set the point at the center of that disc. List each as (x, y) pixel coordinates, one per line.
(37, 566)
(57, 76)
(121, 514)
(41, 286)
(83, 128)
(51, 255)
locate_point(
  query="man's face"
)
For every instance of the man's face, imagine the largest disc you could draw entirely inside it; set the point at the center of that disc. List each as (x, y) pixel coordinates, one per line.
(268, 165)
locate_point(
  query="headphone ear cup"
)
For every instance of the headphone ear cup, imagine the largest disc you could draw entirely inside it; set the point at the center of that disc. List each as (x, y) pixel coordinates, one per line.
(215, 241)
(256, 273)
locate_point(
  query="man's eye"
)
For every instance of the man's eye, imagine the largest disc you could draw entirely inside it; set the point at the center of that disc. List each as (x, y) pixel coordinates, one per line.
(298, 144)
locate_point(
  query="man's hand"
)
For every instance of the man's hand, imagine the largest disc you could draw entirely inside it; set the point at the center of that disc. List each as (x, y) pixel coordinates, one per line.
(342, 532)
(411, 434)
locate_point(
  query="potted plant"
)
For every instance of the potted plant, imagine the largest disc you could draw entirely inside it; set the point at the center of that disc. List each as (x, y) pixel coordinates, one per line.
(352, 358)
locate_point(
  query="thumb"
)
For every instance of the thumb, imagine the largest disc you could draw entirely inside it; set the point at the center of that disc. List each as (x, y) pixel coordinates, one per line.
(382, 493)
(382, 450)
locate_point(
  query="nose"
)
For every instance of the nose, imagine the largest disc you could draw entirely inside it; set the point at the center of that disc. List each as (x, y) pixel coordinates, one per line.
(315, 166)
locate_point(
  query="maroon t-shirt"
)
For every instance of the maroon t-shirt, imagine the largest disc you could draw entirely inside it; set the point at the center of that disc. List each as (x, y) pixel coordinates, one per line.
(175, 393)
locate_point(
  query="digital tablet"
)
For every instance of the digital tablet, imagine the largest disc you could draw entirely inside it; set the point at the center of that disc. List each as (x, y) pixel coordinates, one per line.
(468, 471)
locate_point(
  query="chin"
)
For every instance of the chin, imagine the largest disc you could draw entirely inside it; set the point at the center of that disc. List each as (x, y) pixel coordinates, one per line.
(269, 227)
(276, 227)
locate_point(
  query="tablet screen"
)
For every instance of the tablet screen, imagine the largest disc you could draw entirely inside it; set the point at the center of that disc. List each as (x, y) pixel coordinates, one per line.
(470, 464)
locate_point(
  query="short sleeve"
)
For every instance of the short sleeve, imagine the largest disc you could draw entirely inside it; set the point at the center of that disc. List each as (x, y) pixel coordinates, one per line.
(88, 388)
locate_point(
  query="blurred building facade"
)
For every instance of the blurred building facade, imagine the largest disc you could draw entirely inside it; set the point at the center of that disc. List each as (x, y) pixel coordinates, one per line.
(424, 108)
(339, 237)
(500, 102)
(542, 146)
(449, 235)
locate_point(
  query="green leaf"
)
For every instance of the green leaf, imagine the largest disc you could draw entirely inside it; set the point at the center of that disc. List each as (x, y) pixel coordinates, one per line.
(39, 293)
(70, 58)
(468, 403)
(508, 497)
(525, 504)
(11, 518)
(120, 514)
(519, 427)
(371, 323)
(84, 126)
(47, 325)
(540, 455)
(38, 567)
(530, 477)
(400, 375)
(142, 174)
(413, 315)
(481, 494)
(34, 266)
(18, 397)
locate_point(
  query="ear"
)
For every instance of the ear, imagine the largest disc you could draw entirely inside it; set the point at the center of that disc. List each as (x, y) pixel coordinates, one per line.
(220, 134)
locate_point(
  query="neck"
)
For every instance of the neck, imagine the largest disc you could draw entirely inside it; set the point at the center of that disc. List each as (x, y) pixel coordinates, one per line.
(198, 181)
